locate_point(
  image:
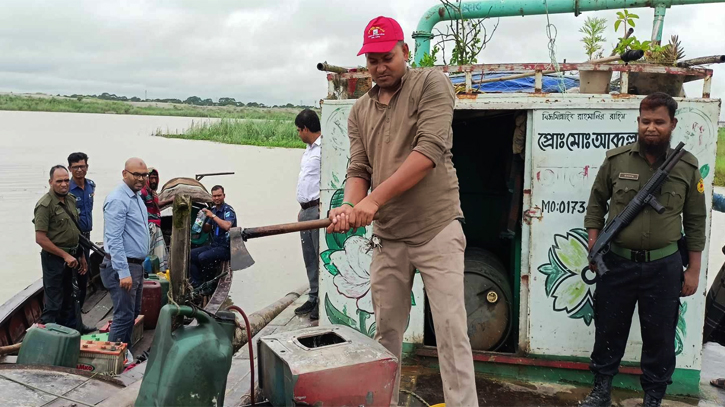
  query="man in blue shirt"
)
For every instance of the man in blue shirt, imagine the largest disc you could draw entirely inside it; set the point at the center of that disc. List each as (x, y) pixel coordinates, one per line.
(126, 240)
(219, 220)
(83, 189)
(718, 202)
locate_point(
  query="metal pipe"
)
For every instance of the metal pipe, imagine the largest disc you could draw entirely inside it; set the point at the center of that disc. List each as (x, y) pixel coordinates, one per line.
(714, 59)
(498, 8)
(325, 67)
(628, 56)
(659, 22)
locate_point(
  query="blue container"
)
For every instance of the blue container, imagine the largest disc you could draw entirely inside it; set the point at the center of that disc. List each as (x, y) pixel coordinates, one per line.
(151, 265)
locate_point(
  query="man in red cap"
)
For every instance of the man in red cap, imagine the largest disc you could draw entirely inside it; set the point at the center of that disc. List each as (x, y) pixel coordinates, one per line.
(400, 145)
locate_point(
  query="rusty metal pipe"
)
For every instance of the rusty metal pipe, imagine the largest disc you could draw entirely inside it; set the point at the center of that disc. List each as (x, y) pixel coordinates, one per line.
(259, 319)
(714, 59)
(627, 57)
(325, 67)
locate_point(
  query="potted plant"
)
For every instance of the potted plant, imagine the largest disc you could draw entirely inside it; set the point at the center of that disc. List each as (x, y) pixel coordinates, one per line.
(641, 83)
(593, 39)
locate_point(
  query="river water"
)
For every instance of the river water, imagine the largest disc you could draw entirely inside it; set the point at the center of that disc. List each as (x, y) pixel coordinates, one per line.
(262, 190)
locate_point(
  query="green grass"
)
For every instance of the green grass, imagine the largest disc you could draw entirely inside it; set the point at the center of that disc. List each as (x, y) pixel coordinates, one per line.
(91, 105)
(270, 133)
(720, 158)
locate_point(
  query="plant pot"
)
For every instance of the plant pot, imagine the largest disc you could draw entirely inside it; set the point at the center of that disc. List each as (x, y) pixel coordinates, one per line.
(648, 83)
(596, 82)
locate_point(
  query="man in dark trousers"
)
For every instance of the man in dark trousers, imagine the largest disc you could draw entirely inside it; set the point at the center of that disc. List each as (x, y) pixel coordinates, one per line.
(56, 234)
(645, 265)
(84, 190)
(219, 220)
(126, 240)
(308, 196)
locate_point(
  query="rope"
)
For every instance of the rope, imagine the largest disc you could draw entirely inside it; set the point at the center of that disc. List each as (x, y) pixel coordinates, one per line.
(416, 396)
(551, 32)
(45, 391)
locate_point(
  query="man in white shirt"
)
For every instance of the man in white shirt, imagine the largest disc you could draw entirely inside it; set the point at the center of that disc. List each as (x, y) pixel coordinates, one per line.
(308, 196)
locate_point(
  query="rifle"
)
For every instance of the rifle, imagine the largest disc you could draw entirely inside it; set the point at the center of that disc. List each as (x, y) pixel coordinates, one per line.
(88, 245)
(634, 207)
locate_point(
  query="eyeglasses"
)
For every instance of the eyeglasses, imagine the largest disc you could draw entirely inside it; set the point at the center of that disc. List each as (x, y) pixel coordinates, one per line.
(141, 175)
(78, 167)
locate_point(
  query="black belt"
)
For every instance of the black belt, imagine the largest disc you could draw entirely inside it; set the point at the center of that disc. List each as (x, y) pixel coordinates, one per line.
(134, 261)
(308, 205)
(74, 251)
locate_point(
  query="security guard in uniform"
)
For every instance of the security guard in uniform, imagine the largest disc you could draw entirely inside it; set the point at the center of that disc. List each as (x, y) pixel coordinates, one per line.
(646, 266)
(84, 190)
(218, 221)
(57, 235)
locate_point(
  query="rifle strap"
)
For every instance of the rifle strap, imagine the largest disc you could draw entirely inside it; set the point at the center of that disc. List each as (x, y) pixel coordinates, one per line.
(75, 222)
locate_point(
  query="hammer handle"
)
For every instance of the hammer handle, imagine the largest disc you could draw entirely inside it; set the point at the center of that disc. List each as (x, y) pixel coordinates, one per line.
(262, 231)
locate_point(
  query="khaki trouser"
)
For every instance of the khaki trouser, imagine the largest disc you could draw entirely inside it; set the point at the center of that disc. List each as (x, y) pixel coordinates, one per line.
(440, 262)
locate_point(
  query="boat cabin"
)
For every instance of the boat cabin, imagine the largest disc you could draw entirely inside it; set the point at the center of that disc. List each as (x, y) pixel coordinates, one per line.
(526, 162)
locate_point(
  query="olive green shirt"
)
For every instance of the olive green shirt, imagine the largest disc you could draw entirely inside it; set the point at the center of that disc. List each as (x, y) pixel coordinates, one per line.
(417, 118)
(50, 217)
(624, 172)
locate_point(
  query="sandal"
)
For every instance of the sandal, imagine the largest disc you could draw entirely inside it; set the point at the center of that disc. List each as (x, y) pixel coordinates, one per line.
(718, 383)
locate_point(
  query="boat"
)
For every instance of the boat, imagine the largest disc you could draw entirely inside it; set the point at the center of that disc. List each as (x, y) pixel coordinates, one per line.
(522, 349)
(23, 310)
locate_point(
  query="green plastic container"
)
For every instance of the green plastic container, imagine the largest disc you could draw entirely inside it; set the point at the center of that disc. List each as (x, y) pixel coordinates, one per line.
(188, 367)
(164, 287)
(50, 345)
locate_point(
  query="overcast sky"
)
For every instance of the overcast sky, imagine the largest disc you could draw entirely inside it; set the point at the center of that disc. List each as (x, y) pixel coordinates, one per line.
(263, 50)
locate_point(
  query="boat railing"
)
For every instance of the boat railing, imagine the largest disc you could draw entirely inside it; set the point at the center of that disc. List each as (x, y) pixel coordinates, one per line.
(352, 83)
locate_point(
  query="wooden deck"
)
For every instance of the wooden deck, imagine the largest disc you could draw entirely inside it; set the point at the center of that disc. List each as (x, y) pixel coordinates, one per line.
(56, 386)
(53, 386)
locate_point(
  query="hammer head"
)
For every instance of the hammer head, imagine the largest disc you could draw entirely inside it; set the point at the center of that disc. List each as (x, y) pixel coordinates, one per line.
(240, 257)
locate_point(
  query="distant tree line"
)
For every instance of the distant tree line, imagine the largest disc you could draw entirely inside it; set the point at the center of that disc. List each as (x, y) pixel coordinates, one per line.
(191, 100)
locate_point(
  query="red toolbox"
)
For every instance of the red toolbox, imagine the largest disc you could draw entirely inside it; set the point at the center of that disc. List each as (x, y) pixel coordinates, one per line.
(330, 366)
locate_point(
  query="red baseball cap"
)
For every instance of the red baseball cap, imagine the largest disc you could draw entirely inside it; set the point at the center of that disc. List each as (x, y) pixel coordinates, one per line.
(381, 35)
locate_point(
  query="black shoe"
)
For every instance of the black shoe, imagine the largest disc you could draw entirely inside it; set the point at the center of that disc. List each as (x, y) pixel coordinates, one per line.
(88, 329)
(315, 314)
(651, 401)
(601, 394)
(306, 308)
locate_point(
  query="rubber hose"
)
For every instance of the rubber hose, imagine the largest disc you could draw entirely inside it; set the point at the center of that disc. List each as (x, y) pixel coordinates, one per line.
(249, 342)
